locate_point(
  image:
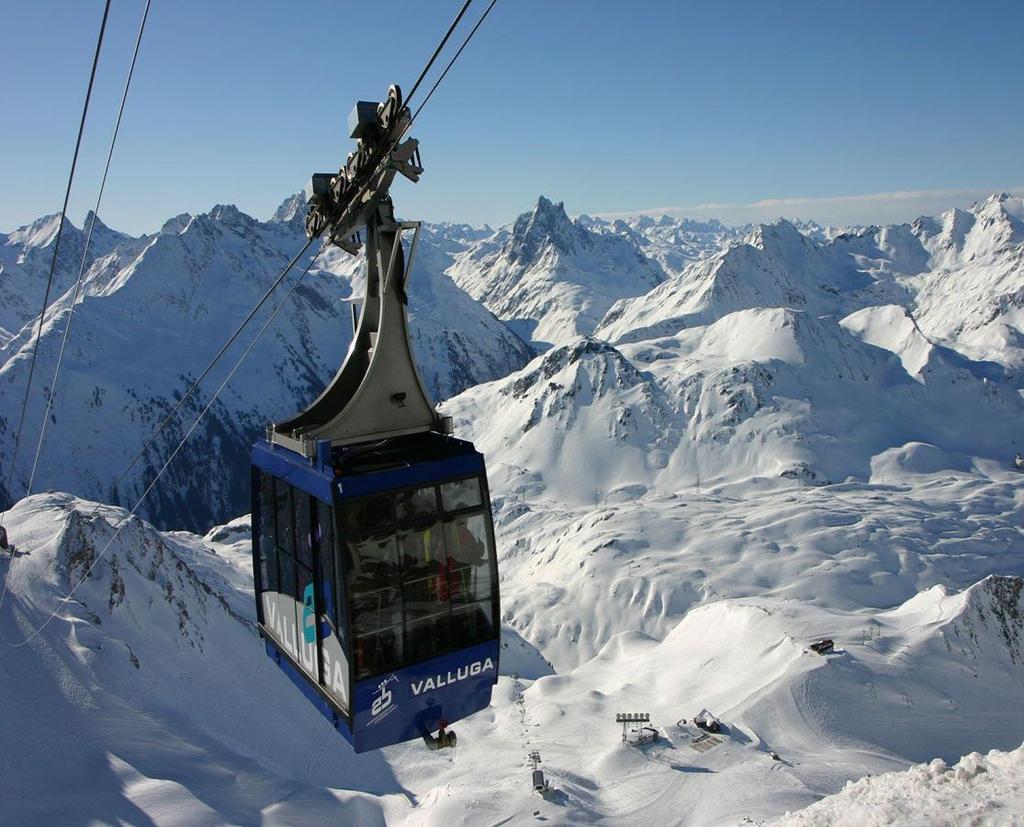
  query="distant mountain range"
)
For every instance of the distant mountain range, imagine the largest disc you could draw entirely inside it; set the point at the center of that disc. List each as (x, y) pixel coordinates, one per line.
(707, 447)
(774, 335)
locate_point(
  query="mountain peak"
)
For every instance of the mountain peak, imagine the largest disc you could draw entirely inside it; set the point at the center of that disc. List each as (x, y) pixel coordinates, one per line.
(546, 223)
(40, 232)
(1001, 206)
(228, 215)
(226, 212)
(173, 226)
(293, 208)
(95, 220)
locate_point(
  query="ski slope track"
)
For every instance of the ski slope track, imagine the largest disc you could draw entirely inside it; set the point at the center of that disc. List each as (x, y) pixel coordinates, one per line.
(708, 448)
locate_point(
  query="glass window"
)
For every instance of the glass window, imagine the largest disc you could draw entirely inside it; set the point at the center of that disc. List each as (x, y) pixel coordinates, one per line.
(418, 586)
(367, 513)
(468, 540)
(326, 545)
(422, 551)
(416, 503)
(467, 584)
(472, 623)
(378, 651)
(266, 512)
(461, 494)
(268, 555)
(373, 562)
(287, 579)
(374, 610)
(303, 529)
(283, 497)
(426, 637)
(425, 596)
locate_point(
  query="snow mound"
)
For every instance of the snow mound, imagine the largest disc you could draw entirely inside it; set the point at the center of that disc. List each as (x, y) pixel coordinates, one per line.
(155, 675)
(895, 465)
(978, 789)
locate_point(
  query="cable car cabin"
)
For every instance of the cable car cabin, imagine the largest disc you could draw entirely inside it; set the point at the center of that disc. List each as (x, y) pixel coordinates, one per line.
(376, 582)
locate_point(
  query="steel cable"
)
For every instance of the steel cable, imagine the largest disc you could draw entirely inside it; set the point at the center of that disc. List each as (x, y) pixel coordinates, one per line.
(85, 254)
(181, 443)
(56, 250)
(64, 601)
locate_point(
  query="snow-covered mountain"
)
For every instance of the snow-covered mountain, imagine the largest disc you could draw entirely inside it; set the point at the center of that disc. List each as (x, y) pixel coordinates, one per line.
(672, 242)
(774, 266)
(152, 314)
(25, 257)
(960, 274)
(153, 688)
(148, 699)
(762, 437)
(551, 276)
(970, 294)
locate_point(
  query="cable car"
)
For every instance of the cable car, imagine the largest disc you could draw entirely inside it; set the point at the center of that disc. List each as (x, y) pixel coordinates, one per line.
(374, 559)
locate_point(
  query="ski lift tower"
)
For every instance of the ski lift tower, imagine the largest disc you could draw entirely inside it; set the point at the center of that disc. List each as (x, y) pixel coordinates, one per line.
(627, 718)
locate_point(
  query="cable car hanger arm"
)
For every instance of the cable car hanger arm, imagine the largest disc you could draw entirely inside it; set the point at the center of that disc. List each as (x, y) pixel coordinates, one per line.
(377, 393)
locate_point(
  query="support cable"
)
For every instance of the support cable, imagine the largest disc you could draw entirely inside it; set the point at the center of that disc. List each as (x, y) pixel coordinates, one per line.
(85, 253)
(437, 51)
(191, 390)
(181, 443)
(451, 62)
(195, 385)
(56, 250)
(64, 601)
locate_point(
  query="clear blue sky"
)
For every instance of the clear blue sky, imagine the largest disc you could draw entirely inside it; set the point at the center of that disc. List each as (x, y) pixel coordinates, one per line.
(609, 106)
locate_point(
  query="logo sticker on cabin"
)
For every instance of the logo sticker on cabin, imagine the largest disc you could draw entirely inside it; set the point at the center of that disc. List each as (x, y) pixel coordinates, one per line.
(383, 702)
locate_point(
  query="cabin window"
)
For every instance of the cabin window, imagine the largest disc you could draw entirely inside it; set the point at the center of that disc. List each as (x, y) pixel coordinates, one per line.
(368, 513)
(303, 529)
(472, 623)
(378, 651)
(325, 537)
(469, 558)
(421, 574)
(267, 551)
(283, 499)
(461, 494)
(416, 503)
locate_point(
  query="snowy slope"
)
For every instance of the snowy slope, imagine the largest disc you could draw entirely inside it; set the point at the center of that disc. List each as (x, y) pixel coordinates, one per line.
(154, 312)
(759, 393)
(785, 440)
(551, 276)
(156, 689)
(148, 700)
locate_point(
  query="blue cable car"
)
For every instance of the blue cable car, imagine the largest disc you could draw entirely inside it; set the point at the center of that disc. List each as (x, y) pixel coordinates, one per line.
(374, 559)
